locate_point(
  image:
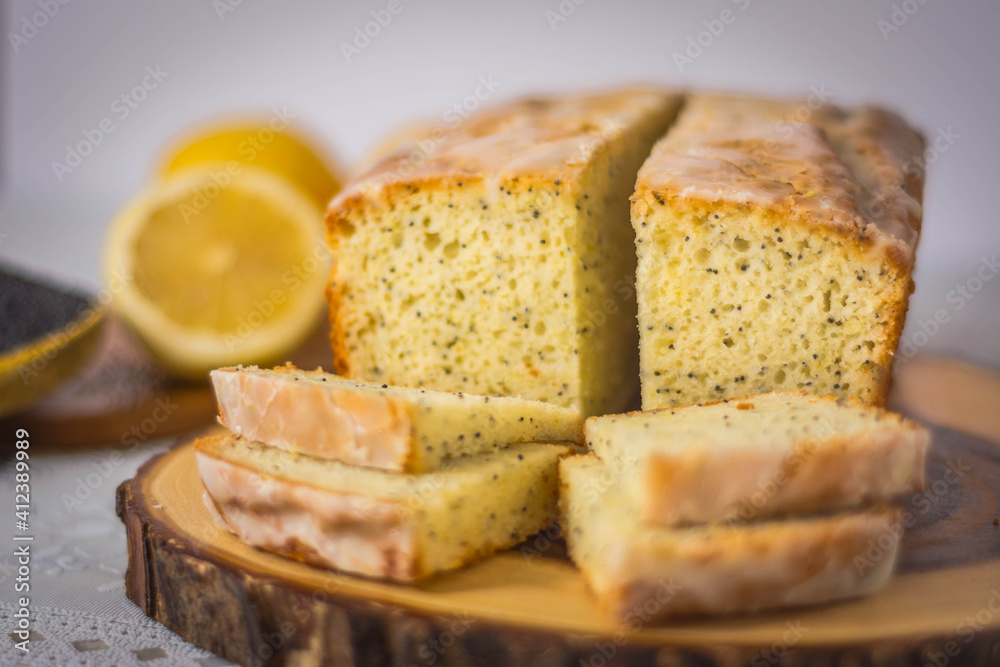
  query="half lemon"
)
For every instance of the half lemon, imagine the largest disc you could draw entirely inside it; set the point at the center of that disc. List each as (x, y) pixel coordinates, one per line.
(219, 265)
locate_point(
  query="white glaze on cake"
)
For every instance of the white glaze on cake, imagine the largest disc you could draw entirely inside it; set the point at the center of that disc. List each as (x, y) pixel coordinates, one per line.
(848, 171)
(716, 568)
(352, 426)
(345, 531)
(527, 138)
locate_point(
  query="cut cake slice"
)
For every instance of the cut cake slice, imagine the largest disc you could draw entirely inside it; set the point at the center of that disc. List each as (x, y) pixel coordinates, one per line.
(760, 456)
(393, 428)
(377, 523)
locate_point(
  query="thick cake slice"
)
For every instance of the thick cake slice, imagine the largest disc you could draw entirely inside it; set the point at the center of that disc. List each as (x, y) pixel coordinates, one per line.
(716, 569)
(498, 259)
(394, 428)
(378, 523)
(760, 456)
(775, 246)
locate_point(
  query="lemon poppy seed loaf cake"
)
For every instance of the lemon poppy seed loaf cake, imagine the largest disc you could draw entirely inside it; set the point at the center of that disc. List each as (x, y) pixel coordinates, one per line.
(775, 244)
(501, 262)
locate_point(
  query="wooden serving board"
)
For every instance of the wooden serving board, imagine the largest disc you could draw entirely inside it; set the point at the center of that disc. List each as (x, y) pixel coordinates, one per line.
(529, 606)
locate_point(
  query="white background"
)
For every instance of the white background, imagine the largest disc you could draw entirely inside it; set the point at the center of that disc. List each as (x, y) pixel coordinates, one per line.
(940, 69)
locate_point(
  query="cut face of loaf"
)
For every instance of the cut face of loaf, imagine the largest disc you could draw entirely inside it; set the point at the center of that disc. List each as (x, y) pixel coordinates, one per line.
(500, 261)
(378, 523)
(759, 457)
(394, 428)
(775, 253)
(716, 569)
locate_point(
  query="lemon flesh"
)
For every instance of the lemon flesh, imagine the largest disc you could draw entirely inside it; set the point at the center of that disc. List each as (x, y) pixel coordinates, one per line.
(211, 276)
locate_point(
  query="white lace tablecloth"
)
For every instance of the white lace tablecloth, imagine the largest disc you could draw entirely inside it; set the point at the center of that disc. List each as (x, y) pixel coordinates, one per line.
(80, 615)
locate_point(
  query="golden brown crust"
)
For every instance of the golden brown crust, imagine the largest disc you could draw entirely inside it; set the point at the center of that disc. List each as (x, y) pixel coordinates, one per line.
(341, 366)
(897, 320)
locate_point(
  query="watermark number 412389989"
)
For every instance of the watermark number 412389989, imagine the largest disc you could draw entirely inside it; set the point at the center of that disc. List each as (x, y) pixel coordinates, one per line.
(22, 541)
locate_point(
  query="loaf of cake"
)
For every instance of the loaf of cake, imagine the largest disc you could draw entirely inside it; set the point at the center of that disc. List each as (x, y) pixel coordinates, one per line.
(719, 568)
(378, 523)
(393, 428)
(502, 261)
(759, 457)
(775, 244)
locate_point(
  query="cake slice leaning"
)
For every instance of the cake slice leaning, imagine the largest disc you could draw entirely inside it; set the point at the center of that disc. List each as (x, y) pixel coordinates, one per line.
(717, 569)
(377, 523)
(393, 428)
(775, 245)
(760, 456)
